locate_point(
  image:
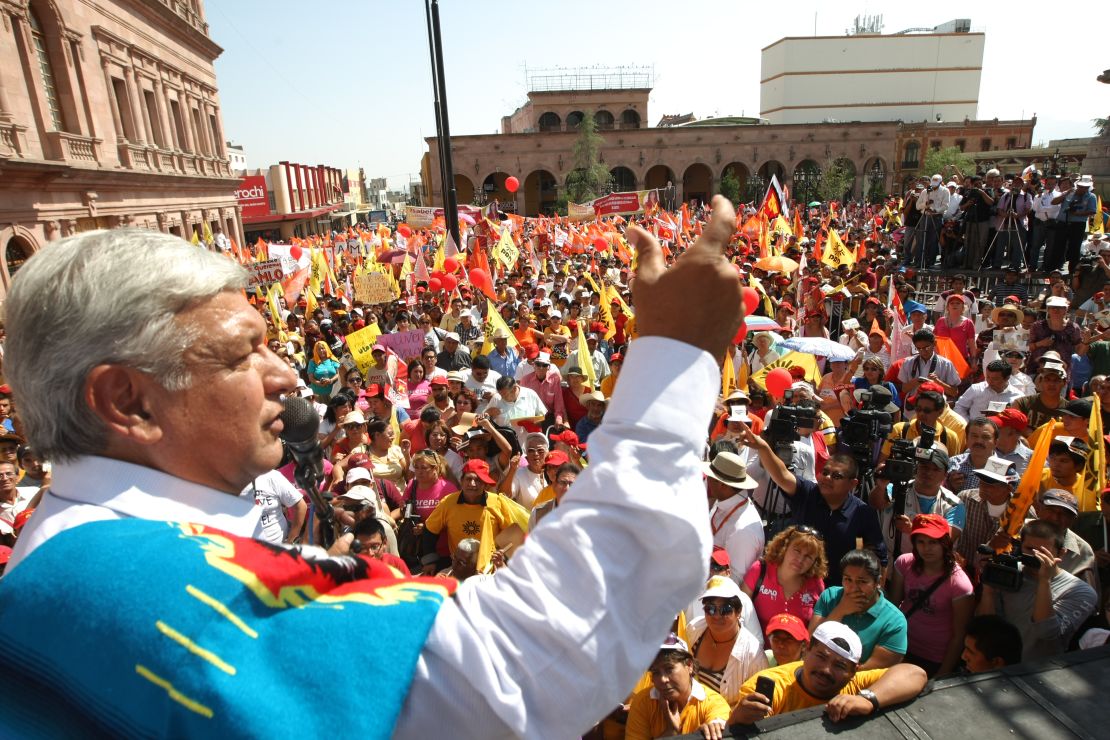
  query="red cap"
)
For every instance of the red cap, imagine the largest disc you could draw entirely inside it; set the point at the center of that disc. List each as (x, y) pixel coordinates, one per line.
(1011, 418)
(933, 526)
(375, 390)
(6, 389)
(556, 457)
(438, 380)
(480, 468)
(532, 352)
(572, 324)
(617, 357)
(615, 302)
(597, 327)
(5, 554)
(797, 372)
(720, 556)
(926, 386)
(789, 624)
(568, 438)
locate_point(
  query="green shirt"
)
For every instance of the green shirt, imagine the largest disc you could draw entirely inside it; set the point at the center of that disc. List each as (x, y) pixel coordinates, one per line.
(883, 625)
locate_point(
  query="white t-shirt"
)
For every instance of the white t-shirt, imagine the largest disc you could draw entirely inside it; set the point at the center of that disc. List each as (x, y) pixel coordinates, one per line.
(527, 486)
(273, 494)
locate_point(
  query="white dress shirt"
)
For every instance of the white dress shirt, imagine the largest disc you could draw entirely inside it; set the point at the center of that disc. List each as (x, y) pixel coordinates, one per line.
(558, 638)
(91, 489)
(934, 199)
(737, 527)
(973, 402)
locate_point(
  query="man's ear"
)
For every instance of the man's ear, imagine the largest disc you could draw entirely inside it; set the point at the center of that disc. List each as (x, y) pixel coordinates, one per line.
(123, 398)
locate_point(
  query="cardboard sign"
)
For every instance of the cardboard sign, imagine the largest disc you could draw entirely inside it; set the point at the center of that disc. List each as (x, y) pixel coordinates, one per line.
(407, 344)
(264, 273)
(373, 288)
(360, 344)
(419, 216)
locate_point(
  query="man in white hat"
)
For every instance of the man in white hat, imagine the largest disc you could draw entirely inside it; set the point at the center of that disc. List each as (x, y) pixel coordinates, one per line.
(735, 521)
(1077, 204)
(984, 506)
(829, 674)
(933, 204)
(503, 359)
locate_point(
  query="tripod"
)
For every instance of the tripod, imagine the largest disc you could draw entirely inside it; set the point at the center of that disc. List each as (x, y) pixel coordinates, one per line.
(926, 227)
(1009, 226)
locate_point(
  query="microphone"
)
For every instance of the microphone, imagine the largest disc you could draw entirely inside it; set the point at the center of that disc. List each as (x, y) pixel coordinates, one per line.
(300, 424)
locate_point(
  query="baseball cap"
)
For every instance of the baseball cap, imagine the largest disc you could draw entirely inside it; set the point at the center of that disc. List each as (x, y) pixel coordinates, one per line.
(555, 457)
(789, 624)
(934, 455)
(568, 438)
(675, 644)
(1073, 445)
(1011, 418)
(480, 468)
(998, 469)
(438, 380)
(720, 557)
(451, 336)
(354, 417)
(721, 587)
(356, 474)
(840, 639)
(932, 526)
(1063, 499)
(1082, 407)
(362, 494)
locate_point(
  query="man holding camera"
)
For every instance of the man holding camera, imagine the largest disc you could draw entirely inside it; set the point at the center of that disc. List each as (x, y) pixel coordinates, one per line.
(1050, 604)
(1077, 204)
(923, 494)
(932, 202)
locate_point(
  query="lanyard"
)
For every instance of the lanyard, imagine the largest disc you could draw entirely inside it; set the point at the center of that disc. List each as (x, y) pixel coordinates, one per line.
(728, 516)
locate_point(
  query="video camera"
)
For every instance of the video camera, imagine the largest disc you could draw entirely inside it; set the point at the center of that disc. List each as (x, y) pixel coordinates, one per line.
(782, 428)
(1006, 571)
(860, 429)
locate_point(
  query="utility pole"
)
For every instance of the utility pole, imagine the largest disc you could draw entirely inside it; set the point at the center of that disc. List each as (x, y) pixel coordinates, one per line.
(443, 126)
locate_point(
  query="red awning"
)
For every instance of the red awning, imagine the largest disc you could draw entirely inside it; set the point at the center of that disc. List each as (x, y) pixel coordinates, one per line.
(278, 217)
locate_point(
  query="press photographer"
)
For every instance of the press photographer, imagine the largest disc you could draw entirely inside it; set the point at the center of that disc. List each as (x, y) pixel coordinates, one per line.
(922, 493)
(863, 430)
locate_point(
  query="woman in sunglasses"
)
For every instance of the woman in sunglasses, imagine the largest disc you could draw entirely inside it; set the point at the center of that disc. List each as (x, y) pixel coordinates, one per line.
(725, 654)
(789, 578)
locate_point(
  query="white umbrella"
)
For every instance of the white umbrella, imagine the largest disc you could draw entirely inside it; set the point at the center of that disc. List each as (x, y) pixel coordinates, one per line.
(833, 351)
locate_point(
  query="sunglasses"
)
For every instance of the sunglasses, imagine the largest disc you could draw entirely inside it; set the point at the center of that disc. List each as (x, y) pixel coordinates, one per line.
(808, 530)
(722, 610)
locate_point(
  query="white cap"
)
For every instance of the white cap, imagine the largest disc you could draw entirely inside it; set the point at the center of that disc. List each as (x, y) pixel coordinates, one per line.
(357, 474)
(952, 184)
(361, 493)
(840, 639)
(452, 335)
(1084, 181)
(721, 587)
(936, 180)
(544, 357)
(554, 314)
(1056, 301)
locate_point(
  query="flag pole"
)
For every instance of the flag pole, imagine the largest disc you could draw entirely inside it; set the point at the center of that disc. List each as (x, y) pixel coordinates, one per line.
(443, 126)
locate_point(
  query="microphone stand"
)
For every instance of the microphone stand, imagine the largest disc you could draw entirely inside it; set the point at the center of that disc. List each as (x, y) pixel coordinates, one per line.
(309, 477)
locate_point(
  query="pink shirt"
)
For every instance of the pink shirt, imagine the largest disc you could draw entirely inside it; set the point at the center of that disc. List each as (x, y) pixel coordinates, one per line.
(550, 390)
(770, 600)
(930, 627)
(962, 334)
(426, 501)
(418, 396)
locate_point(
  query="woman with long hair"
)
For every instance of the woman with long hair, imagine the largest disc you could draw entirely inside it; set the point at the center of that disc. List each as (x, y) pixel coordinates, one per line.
(935, 595)
(789, 578)
(437, 437)
(419, 387)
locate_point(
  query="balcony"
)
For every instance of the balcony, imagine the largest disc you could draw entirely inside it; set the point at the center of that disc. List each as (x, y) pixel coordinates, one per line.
(73, 148)
(13, 140)
(135, 157)
(187, 14)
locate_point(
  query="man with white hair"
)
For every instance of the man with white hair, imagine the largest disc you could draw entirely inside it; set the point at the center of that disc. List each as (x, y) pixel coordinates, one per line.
(932, 202)
(954, 199)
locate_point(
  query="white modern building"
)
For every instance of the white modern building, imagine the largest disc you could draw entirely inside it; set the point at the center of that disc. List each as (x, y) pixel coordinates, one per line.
(236, 156)
(908, 76)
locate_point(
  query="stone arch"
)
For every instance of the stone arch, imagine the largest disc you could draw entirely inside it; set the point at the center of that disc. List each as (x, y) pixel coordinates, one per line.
(540, 189)
(550, 121)
(757, 183)
(464, 189)
(573, 119)
(697, 182)
(875, 176)
(604, 120)
(18, 245)
(658, 177)
(630, 119)
(806, 181)
(623, 179)
(742, 174)
(493, 188)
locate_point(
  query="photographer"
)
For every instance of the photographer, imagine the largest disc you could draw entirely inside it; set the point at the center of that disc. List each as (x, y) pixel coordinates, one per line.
(828, 505)
(1077, 203)
(933, 203)
(928, 406)
(925, 494)
(1050, 604)
(976, 205)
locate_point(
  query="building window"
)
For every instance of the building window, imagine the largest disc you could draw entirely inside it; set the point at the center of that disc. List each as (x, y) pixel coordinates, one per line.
(155, 119)
(911, 155)
(1011, 143)
(630, 119)
(50, 87)
(216, 138)
(984, 145)
(550, 122)
(573, 119)
(15, 255)
(178, 126)
(604, 120)
(934, 145)
(123, 103)
(961, 144)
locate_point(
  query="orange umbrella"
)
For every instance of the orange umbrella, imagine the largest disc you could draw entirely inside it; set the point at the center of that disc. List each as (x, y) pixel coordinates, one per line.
(777, 264)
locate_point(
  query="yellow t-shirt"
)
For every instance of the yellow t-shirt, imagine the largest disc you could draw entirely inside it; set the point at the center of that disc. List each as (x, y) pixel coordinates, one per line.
(608, 383)
(789, 694)
(1048, 481)
(947, 437)
(647, 716)
(482, 522)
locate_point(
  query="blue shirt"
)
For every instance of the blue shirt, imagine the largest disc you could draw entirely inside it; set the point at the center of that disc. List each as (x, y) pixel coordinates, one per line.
(840, 528)
(1067, 213)
(504, 365)
(883, 625)
(584, 428)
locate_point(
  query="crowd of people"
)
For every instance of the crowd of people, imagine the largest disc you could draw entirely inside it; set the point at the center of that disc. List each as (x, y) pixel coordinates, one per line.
(862, 542)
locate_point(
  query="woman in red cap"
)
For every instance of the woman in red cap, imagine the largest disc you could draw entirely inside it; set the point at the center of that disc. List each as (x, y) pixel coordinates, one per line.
(935, 595)
(957, 327)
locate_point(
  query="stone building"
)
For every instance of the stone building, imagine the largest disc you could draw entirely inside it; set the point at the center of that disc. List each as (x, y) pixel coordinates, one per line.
(109, 117)
(985, 141)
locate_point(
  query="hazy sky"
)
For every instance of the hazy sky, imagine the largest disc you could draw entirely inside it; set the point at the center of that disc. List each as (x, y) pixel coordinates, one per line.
(347, 83)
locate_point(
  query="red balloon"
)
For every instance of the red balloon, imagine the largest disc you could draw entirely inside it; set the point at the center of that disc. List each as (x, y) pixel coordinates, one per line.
(435, 285)
(439, 274)
(740, 334)
(449, 282)
(404, 230)
(751, 300)
(778, 381)
(295, 252)
(512, 184)
(479, 278)
(601, 244)
(450, 264)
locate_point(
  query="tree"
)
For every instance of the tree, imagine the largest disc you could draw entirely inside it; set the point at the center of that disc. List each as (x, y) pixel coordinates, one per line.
(589, 177)
(730, 187)
(1102, 126)
(941, 161)
(836, 180)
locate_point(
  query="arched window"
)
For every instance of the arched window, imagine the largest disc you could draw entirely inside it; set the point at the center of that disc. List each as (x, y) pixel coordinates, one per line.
(911, 155)
(630, 119)
(15, 255)
(550, 122)
(604, 120)
(50, 87)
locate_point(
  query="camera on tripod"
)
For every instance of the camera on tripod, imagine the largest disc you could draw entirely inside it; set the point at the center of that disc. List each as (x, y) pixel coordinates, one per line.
(1006, 571)
(862, 427)
(782, 428)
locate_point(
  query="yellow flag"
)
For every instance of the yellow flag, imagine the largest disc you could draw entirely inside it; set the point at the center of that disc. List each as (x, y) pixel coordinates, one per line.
(728, 374)
(196, 239)
(406, 267)
(780, 226)
(1094, 473)
(316, 275)
(836, 254)
(208, 238)
(310, 303)
(440, 254)
(1014, 516)
(492, 323)
(506, 251)
(1097, 222)
(742, 375)
(584, 357)
(789, 360)
(614, 294)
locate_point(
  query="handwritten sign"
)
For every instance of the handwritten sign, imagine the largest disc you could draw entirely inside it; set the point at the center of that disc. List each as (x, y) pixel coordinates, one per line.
(360, 344)
(407, 344)
(373, 288)
(264, 273)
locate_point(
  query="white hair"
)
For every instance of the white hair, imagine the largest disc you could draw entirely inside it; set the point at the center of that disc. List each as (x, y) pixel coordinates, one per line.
(468, 548)
(102, 297)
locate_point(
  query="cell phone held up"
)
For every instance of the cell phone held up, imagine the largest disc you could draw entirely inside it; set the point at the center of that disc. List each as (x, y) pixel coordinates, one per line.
(766, 685)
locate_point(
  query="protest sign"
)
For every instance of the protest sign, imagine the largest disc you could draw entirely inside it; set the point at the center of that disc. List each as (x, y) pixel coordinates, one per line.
(373, 288)
(360, 344)
(264, 273)
(406, 344)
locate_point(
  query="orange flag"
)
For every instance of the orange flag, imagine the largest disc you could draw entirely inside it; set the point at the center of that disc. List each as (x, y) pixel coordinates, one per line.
(947, 348)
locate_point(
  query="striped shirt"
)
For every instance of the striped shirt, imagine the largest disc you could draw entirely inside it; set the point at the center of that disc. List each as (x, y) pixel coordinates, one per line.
(1000, 291)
